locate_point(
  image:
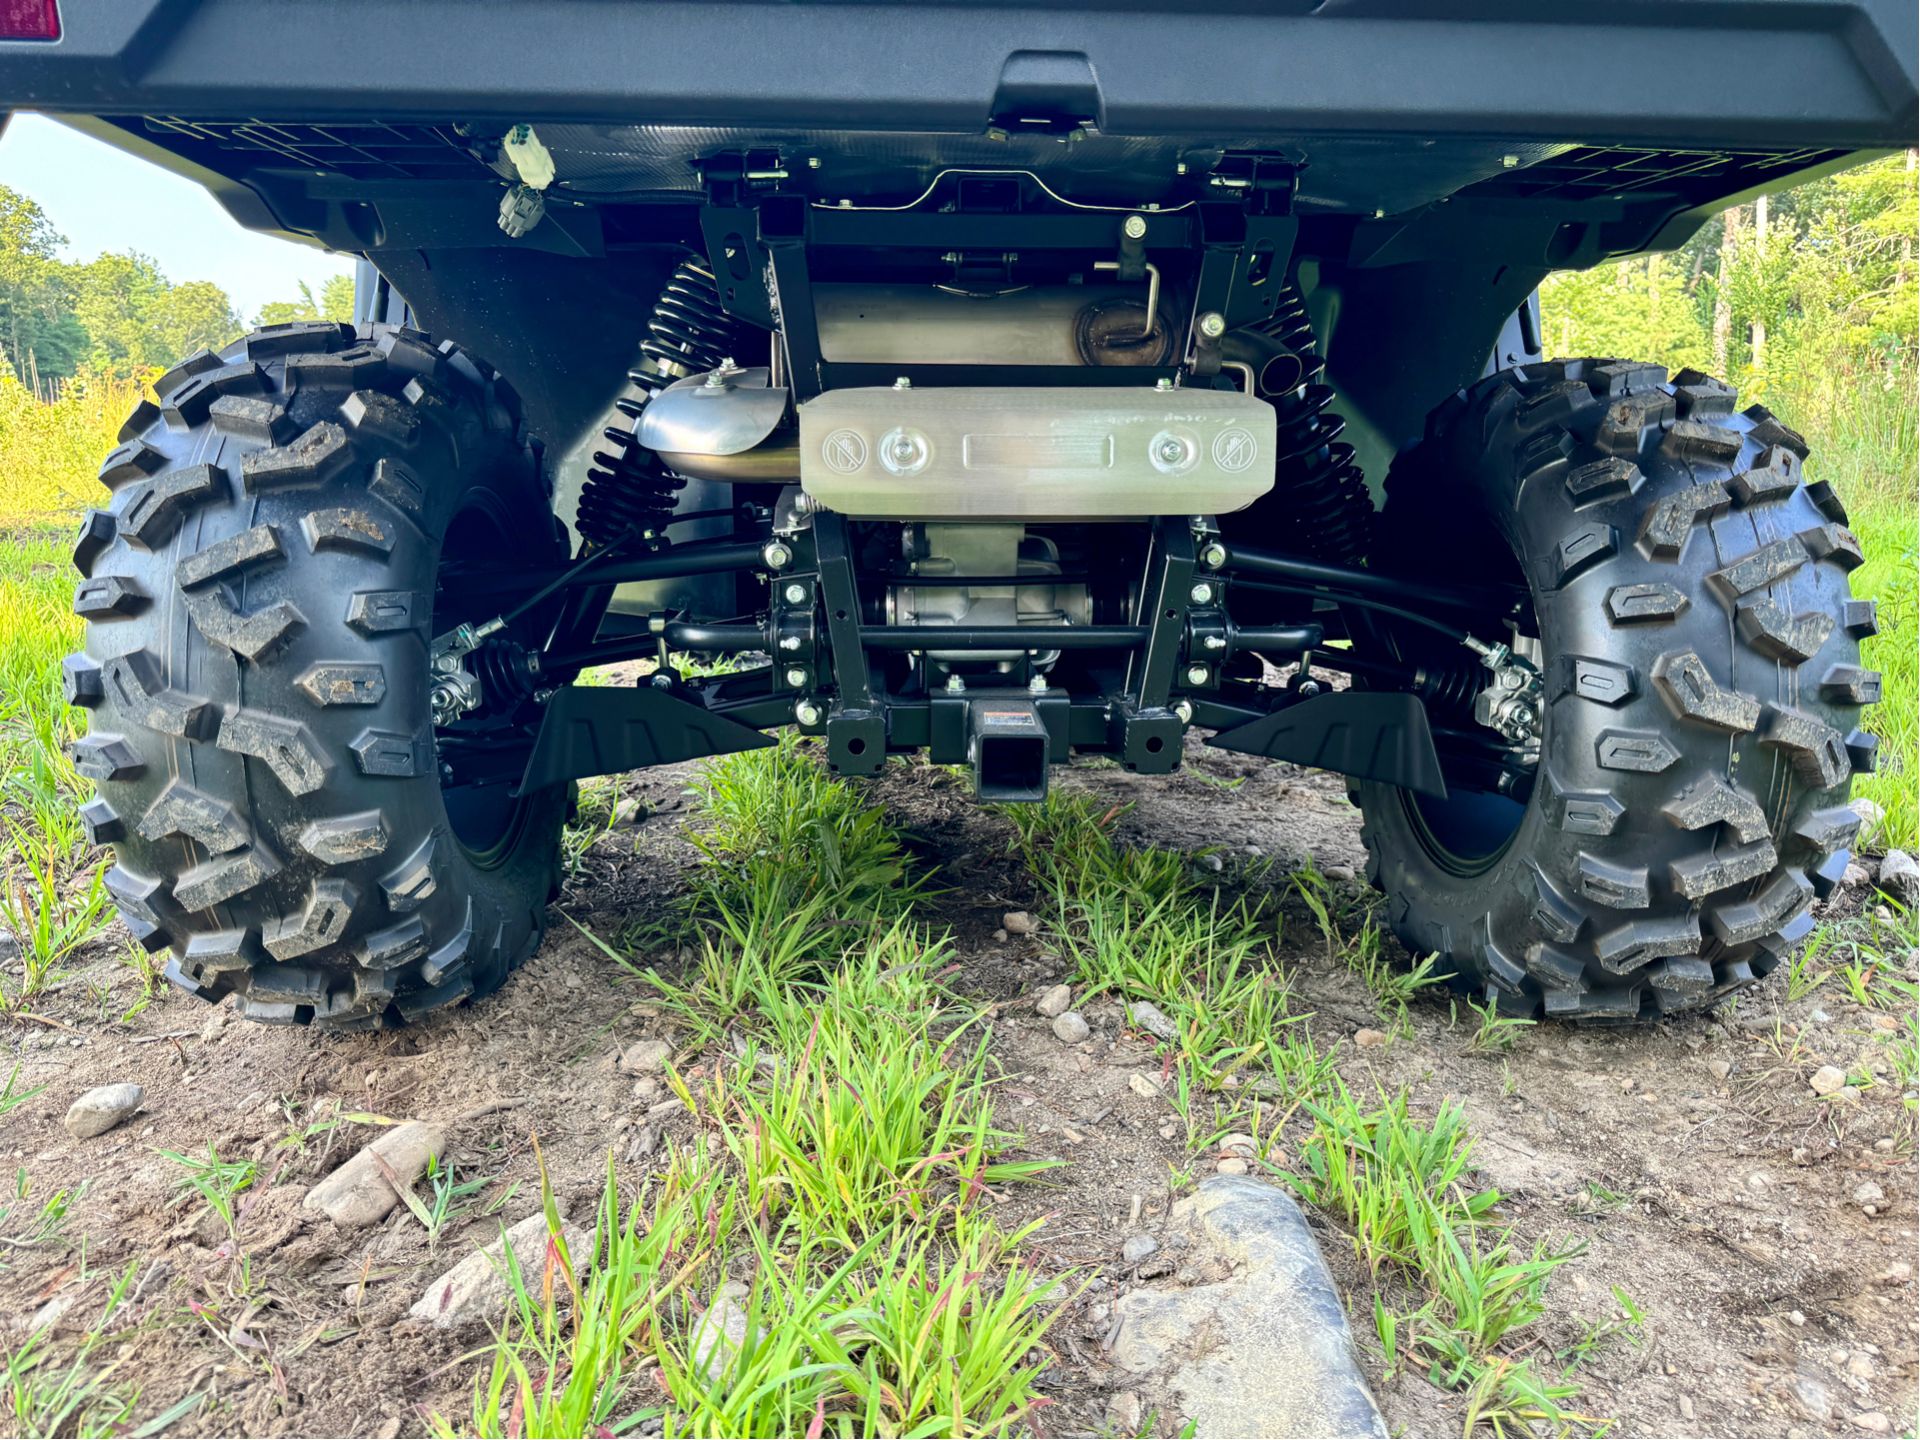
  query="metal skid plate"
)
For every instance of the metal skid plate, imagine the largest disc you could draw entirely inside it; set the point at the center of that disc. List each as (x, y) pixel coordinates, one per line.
(992, 453)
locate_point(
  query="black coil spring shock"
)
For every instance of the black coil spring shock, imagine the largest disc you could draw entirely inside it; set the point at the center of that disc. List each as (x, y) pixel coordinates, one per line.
(1317, 484)
(689, 333)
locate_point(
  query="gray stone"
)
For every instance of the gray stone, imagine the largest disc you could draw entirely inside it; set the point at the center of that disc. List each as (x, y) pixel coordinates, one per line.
(1810, 1397)
(1855, 876)
(1145, 1015)
(721, 1334)
(1137, 1248)
(1070, 1027)
(645, 1057)
(1017, 922)
(1871, 813)
(1055, 1001)
(1266, 1352)
(9, 947)
(100, 1109)
(1123, 1413)
(475, 1291)
(1900, 876)
(1869, 1193)
(1145, 1086)
(359, 1192)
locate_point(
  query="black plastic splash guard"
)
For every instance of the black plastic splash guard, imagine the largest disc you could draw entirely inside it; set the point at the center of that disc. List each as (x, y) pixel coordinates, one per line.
(603, 730)
(1366, 734)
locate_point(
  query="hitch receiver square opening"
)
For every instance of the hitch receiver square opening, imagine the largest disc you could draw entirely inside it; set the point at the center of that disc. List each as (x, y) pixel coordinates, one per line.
(1009, 748)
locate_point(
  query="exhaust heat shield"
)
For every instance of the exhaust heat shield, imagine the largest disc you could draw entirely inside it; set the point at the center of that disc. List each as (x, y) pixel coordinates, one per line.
(1038, 453)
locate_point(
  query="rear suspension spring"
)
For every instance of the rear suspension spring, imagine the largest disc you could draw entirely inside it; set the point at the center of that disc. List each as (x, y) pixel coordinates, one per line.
(688, 333)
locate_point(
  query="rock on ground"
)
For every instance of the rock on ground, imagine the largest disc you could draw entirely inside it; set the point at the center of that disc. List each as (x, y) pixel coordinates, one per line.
(1266, 1352)
(1017, 922)
(359, 1193)
(1145, 1015)
(99, 1110)
(1900, 876)
(1827, 1079)
(1055, 1001)
(472, 1292)
(645, 1057)
(1071, 1027)
(721, 1334)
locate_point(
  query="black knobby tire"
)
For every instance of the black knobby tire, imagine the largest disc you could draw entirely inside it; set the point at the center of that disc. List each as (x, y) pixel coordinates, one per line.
(1703, 688)
(259, 599)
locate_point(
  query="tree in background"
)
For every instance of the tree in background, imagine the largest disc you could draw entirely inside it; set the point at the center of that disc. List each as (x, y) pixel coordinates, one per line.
(37, 329)
(115, 316)
(1810, 293)
(335, 303)
(136, 319)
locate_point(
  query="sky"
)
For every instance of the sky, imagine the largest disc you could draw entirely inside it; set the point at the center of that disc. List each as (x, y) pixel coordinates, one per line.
(103, 199)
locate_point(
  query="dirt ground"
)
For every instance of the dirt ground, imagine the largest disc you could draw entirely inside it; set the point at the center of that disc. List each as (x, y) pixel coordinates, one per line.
(1774, 1302)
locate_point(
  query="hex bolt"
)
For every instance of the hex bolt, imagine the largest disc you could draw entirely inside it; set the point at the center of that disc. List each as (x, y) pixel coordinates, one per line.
(1184, 709)
(903, 382)
(1134, 227)
(795, 593)
(1214, 642)
(790, 642)
(1201, 594)
(1163, 383)
(777, 556)
(1213, 555)
(796, 677)
(1309, 689)
(1172, 451)
(1213, 324)
(1038, 685)
(1198, 674)
(807, 713)
(956, 685)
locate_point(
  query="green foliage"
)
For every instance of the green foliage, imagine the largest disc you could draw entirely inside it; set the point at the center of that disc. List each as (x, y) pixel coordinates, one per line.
(335, 303)
(115, 315)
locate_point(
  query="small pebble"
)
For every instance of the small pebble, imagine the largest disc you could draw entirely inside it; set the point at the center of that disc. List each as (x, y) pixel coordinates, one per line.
(1873, 1422)
(1366, 1039)
(102, 1108)
(1017, 922)
(1145, 1086)
(1827, 1079)
(1686, 1408)
(1054, 1001)
(1898, 1273)
(1123, 1413)
(1340, 874)
(1232, 1165)
(1145, 1015)
(1137, 1248)
(1070, 1027)
(645, 1057)
(1719, 1069)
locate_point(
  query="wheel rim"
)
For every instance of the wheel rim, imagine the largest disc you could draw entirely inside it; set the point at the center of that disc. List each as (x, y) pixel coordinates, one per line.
(487, 820)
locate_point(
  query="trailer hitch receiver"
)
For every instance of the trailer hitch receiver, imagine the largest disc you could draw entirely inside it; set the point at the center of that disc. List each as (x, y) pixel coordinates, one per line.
(1008, 746)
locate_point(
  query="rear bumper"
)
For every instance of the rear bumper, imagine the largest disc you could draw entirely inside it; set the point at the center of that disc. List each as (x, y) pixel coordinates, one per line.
(1777, 74)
